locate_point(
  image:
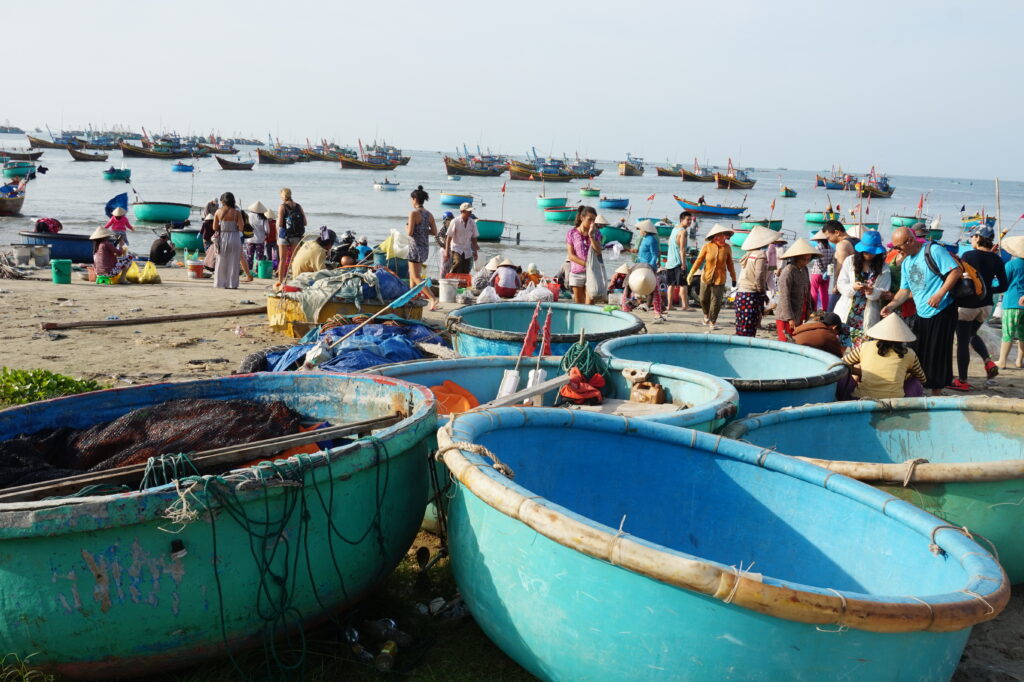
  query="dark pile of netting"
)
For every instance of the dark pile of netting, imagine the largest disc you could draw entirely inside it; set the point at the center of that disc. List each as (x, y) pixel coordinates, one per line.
(175, 426)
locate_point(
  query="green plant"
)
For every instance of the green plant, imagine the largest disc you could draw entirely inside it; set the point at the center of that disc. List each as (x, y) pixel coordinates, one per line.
(20, 386)
(14, 669)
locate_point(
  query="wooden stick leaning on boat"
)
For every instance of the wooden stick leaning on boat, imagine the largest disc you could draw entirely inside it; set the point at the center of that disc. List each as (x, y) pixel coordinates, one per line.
(519, 397)
(151, 320)
(218, 459)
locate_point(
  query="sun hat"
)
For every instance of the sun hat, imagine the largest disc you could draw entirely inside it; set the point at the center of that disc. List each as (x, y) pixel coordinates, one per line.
(258, 207)
(759, 238)
(533, 269)
(1013, 246)
(819, 236)
(986, 232)
(891, 328)
(466, 206)
(601, 220)
(118, 212)
(647, 227)
(919, 229)
(781, 239)
(102, 233)
(718, 228)
(801, 247)
(622, 269)
(448, 215)
(492, 264)
(363, 239)
(871, 242)
(269, 214)
(642, 281)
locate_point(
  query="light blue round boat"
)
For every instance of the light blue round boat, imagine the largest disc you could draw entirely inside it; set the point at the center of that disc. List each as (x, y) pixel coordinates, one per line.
(618, 549)
(500, 328)
(960, 458)
(769, 375)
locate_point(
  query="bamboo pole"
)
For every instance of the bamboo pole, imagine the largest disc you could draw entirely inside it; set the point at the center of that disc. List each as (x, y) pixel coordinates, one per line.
(151, 320)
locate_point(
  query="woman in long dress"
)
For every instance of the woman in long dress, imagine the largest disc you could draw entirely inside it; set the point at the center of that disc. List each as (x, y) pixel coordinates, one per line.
(227, 222)
(420, 227)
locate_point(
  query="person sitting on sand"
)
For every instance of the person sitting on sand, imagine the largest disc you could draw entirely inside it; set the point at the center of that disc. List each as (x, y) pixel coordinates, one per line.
(311, 256)
(107, 257)
(532, 274)
(506, 280)
(483, 276)
(119, 225)
(888, 368)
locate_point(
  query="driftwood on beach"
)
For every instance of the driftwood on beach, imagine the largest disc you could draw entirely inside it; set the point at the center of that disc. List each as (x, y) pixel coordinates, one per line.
(150, 320)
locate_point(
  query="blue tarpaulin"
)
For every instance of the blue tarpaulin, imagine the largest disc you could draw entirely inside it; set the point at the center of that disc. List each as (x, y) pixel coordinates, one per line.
(120, 201)
(374, 344)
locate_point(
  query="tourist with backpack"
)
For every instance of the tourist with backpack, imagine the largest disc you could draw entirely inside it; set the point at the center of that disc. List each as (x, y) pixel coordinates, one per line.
(929, 275)
(291, 226)
(975, 311)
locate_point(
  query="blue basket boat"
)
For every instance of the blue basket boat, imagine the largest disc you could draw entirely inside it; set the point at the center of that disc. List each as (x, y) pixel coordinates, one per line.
(96, 586)
(449, 199)
(961, 459)
(618, 549)
(76, 248)
(614, 204)
(769, 375)
(500, 328)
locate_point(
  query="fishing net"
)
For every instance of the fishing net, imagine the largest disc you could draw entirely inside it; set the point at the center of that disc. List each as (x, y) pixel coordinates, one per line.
(187, 425)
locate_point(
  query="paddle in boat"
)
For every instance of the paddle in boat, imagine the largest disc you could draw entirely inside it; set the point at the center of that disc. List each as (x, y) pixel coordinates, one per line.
(703, 558)
(700, 206)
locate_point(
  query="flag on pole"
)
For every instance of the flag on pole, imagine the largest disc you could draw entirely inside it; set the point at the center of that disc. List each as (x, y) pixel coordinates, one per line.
(545, 346)
(920, 205)
(531, 176)
(530, 340)
(773, 204)
(651, 198)
(503, 187)
(963, 208)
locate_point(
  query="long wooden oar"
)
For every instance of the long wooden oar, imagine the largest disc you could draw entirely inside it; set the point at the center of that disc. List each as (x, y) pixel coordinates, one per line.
(218, 459)
(151, 320)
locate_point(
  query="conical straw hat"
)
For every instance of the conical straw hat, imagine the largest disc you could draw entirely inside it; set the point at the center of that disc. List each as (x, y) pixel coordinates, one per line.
(102, 233)
(891, 328)
(258, 207)
(801, 247)
(1013, 246)
(718, 228)
(601, 220)
(647, 227)
(759, 238)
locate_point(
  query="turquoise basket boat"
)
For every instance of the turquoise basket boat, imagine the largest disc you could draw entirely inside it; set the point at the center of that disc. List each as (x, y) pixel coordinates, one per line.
(96, 587)
(489, 230)
(560, 214)
(499, 328)
(962, 458)
(187, 239)
(118, 174)
(614, 233)
(161, 212)
(819, 216)
(626, 550)
(18, 169)
(590, 191)
(906, 220)
(769, 375)
(551, 202)
(773, 224)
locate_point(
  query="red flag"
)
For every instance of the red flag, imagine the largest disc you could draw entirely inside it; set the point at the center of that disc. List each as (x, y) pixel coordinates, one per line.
(1021, 217)
(531, 176)
(530, 341)
(545, 346)
(650, 198)
(503, 187)
(773, 204)
(920, 204)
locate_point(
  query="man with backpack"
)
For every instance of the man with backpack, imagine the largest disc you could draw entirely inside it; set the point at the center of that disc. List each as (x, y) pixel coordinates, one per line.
(930, 275)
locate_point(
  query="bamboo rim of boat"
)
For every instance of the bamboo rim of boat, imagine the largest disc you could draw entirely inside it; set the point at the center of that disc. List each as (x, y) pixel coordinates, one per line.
(454, 323)
(729, 584)
(913, 470)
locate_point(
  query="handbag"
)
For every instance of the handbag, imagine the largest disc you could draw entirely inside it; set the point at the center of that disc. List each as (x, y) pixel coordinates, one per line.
(597, 282)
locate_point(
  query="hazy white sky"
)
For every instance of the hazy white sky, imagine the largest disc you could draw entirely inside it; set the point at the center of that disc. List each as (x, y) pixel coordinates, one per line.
(928, 88)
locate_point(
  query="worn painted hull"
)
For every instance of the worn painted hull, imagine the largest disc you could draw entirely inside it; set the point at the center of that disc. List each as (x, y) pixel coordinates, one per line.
(187, 239)
(455, 199)
(884, 436)
(457, 168)
(630, 170)
(769, 375)
(118, 175)
(20, 156)
(18, 169)
(161, 212)
(132, 151)
(614, 204)
(551, 202)
(707, 209)
(490, 230)
(611, 233)
(589, 565)
(76, 248)
(787, 193)
(729, 182)
(359, 164)
(11, 205)
(499, 328)
(103, 566)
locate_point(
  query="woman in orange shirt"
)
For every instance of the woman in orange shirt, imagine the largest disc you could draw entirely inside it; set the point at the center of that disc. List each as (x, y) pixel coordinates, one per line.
(716, 257)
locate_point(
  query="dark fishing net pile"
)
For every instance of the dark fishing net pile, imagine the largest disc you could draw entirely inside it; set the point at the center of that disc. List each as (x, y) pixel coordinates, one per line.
(175, 426)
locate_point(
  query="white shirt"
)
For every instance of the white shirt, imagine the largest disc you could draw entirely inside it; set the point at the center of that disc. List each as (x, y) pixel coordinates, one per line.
(462, 233)
(259, 228)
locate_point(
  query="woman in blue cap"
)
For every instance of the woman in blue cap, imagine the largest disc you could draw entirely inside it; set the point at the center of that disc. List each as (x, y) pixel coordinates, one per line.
(862, 281)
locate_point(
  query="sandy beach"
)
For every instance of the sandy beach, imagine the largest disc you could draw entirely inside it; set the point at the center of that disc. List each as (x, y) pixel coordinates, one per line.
(175, 351)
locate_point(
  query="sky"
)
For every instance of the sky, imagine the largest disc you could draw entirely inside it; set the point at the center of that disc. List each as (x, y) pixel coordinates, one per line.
(919, 88)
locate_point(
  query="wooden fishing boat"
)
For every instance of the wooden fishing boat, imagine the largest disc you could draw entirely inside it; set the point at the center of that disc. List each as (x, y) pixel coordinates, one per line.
(613, 204)
(11, 204)
(551, 202)
(734, 181)
(62, 143)
(460, 167)
(14, 155)
(489, 230)
(161, 211)
(499, 328)
(227, 164)
(266, 156)
(702, 176)
(671, 172)
(164, 601)
(589, 191)
(820, 216)
(615, 233)
(787, 192)
(218, 149)
(972, 221)
(631, 167)
(773, 224)
(187, 239)
(633, 559)
(515, 173)
(182, 168)
(76, 248)
(452, 199)
(560, 214)
(974, 466)
(78, 155)
(769, 375)
(865, 189)
(708, 209)
(361, 164)
(130, 151)
(585, 174)
(18, 169)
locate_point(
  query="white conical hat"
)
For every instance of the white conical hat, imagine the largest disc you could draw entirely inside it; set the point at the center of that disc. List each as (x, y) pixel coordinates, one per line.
(258, 207)
(493, 263)
(1013, 246)
(118, 212)
(819, 236)
(718, 228)
(102, 233)
(891, 328)
(647, 227)
(759, 238)
(642, 281)
(601, 220)
(622, 269)
(801, 247)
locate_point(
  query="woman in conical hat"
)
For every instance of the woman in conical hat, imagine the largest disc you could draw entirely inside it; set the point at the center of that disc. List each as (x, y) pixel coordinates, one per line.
(888, 368)
(793, 302)
(753, 283)
(716, 258)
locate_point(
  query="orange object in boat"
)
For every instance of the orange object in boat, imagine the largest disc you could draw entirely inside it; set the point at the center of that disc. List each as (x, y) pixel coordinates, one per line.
(453, 399)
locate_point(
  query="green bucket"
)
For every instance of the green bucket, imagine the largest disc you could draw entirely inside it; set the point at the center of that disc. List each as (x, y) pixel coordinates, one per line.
(265, 269)
(61, 269)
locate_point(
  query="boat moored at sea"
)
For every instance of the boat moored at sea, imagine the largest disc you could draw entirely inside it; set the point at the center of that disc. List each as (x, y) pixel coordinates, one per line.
(161, 211)
(708, 209)
(156, 152)
(698, 174)
(632, 167)
(734, 178)
(820, 216)
(787, 192)
(228, 164)
(591, 546)
(452, 199)
(875, 185)
(551, 202)
(906, 220)
(117, 174)
(18, 169)
(180, 167)
(489, 230)
(10, 204)
(273, 158)
(614, 204)
(589, 191)
(79, 155)
(20, 155)
(386, 185)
